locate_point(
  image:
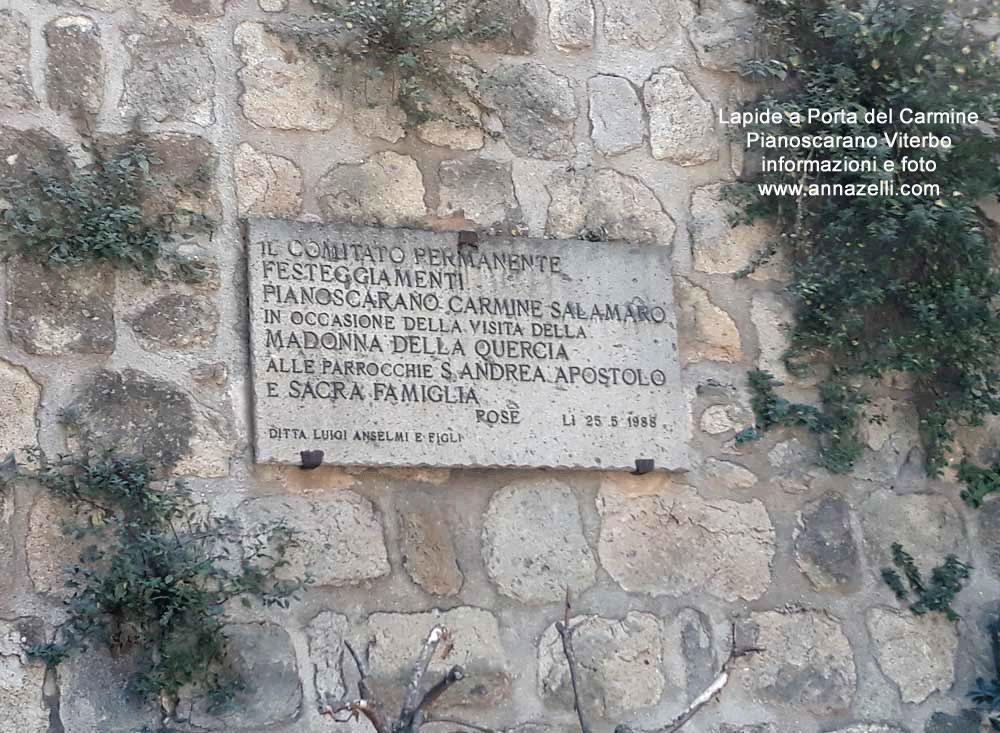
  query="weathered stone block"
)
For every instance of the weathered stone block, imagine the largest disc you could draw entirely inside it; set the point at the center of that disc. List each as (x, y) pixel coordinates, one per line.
(537, 108)
(19, 397)
(427, 545)
(927, 526)
(670, 544)
(772, 317)
(326, 633)
(619, 661)
(718, 246)
(705, 331)
(22, 709)
(341, 536)
(719, 419)
(518, 36)
(681, 123)
(386, 190)
(16, 92)
(176, 321)
(728, 475)
(724, 40)
(25, 151)
(281, 88)
(894, 439)
(608, 205)
(198, 8)
(74, 73)
(266, 185)
(806, 663)
(571, 23)
(444, 134)
(480, 191)
(615, 114)
(95, 695)
(533, 543)
(169, 78)
(825, 548)
(60, 310)
(49, 550)
(968, 721)
(915, 652)
(869, 728)
(643, 23)
(688, 650)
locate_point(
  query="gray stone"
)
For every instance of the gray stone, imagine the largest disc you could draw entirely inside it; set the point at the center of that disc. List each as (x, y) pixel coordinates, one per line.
(341, 540)
(893, 438)
(927, 526)
(21, 679)
(719, 247)
(758, 728)
(25, 151)
(266, 185)
(427, 546)
(74, 75)
(619, 662)
(533, 543)
(606, 205)
(94, 694)
(281, 88)
(386, 190)
(445, 134)
(772, 317)
(480, 191)
(198, 8)
(806, 665)
(707, 333)
(15, 77)
(261, 654)
(689, 634)
(825, 549)
(719, 419)
(968, 721)
(326, 633)
(571, 23)
(176, 321)
(473, 643)
(674, 542)
(272, 6)
(382, 121)
(915, 652)
(987, 517)
(18, 406)
(681, 122)
(169, 78)
(537, 108)
(723, 41)
(869, 728)
(60, 310)
(728, 475)
(615, 114)
(518, 34)
(644, 23)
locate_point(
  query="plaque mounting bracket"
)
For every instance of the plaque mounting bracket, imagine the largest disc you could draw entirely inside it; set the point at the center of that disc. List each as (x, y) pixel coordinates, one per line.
(311, 459)
(644, 466)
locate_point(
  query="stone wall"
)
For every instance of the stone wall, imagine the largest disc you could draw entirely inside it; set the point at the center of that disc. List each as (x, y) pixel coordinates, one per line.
(599, 117)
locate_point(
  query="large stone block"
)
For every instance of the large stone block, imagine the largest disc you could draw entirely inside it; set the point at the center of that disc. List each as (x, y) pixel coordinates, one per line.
(773, 318)
(169, 78)
(723, 40)
(266, 185)
(533, 543)
(74, 72)
(60, 310)
(480, 191)
(95, 694)
(386, 190)
(16, 92)
(927, 526)
(825, 548)
(281, 88)
(571, 23)
(681, 123)
(620, 664)
(427, 546)
(22, 709)
(606, 205)
(341, 539)
(720, 248)
(806, 664)
(705, 331)
(176, 321)
(616, 124)
(537, 108)
(674, 543)
(25, 151)
(916, 652)
(19, 397)
(643, 23)
(326, 633)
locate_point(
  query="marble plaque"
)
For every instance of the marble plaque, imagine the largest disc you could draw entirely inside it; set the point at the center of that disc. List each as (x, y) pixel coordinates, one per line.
(398, 347)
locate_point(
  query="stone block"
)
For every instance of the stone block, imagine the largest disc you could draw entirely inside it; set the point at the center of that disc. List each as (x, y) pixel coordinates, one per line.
(25, 151)
(16, 92)
(706, 331)
(95, 695)
(825, 548)
(427, 545)
(688, 650)
(53, 311)
(386, 190)
(266, 185)
(571, 23)
(719, 419)
(19, 399)
(724, 40)
(719, 247)
(916, 652)
(176, 321)
(968, 721)
(341, 535)
(728, 475)
(533, 542)
(74, 72)
(643, 23)
(927, 526)
(681, 122)
(21, 680)
(444, 134)
(616, 124)
(674, 543)
(773, 319)
(480, 191)
(326, 633)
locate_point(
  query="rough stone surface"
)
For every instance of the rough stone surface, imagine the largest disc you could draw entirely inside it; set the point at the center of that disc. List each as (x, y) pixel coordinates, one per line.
(966, 722)
(706, 332)
(24, 151)
(772, 317)
(681, 124)
(607, 205)
(60, 310)
(198, 8)
(688, 649)
(474, 644)
(326, 633)
(723, 41)
(669, 544)
(281, 89)
(94, 694)
(620, 662)
(915, 652)
(266, 185)
(893, 440)
(21, 679)
(480, 191)
(447, 135)
(170, 77)
(176, 321)
(728, 475)
(643, 23)
(537, 108)
(719, 419)
(382, 121)
(74, 72)
(718, 247)
(342, 537)
(571, 23)
(615, 114)
(927, 526)
(386, 190)
(263, 654)
(533, 543)
(825, 548)
(807, 663)
(48, 550)
(272, 6)
(19, 396)
(869, 728)
(427, 546)
(987, 517)
(520, 24)
(15, 77)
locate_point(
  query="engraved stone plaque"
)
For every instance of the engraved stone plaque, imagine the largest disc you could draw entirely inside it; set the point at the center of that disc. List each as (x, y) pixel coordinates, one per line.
(398, 347)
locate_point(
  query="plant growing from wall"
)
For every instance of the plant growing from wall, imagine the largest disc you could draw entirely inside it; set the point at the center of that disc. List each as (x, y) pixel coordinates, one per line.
(937, 595)
(155, 576)
(898, 282)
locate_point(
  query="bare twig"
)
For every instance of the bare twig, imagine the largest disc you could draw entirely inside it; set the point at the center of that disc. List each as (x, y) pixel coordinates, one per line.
(368, 704)
(410, 716)
(455, 674)
(463, 723)
(566, 634)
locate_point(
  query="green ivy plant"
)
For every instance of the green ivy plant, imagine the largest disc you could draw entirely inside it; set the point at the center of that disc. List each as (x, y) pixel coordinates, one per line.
(155, 575)
(946, 582)
(887, 283)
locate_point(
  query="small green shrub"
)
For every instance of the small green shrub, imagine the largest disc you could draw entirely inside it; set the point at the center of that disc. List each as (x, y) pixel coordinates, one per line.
(946, 582)
(156, 575)
(979, 482)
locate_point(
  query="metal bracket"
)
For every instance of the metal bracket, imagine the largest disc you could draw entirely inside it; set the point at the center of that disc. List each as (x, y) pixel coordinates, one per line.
(311, 459)
(644, 466)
